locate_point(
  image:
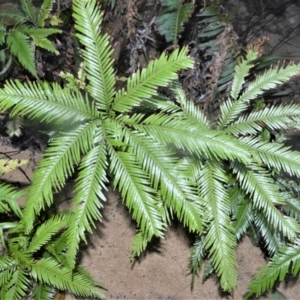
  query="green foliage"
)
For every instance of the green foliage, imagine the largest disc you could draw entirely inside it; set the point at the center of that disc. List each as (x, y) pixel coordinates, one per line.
(243, 197)
(37, 259)
(222, 186)
(21, 30)
(172, 17)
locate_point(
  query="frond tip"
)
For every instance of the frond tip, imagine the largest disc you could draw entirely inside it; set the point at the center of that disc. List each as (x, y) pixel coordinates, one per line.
(286, 260)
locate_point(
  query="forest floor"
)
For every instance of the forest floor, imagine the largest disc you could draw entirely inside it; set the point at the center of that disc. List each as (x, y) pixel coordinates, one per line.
(162, 271)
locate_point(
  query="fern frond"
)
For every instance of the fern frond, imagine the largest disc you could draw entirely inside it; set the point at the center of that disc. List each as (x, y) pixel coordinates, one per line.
(139, 197)
(9, 196)
(45, 44)
(10, 16)
(39, 33)
(46, 102)
(285, 260)
(292, 207)
(274, 118)
(275, 155)
(197, 256)
(20, 46)
(270, 237)
(29, 9)
(43, 292)
(87, 203)
(177, 192)
(220, 238)
(189, 109)
(58, 163)
(242, 217)
(97, 52)
(50, 272)
(18, 285)
(230, 111)
(240, 72)
(46, 230)
(264, 193)
(7, 165)
(269, 80)
(184, 133)
(172, 17)
(44, 12)
(144, 83)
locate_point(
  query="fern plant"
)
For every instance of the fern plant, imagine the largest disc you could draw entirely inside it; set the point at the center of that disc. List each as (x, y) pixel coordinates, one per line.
(35, 263)
(172, 18)
(105, 133)
(23, 30)
(245, 198)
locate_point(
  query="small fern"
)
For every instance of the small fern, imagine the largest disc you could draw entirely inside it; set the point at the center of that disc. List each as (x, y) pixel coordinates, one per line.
(172, 17)
(26, 33)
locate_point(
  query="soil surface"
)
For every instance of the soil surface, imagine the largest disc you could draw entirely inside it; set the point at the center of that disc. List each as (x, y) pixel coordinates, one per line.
(162, 271)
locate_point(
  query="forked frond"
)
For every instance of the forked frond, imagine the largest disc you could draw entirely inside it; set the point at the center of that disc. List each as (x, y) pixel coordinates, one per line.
(58, 164)
(46, 102)
(220, 237)
(144, 83)
(287, 259)
(96, 53)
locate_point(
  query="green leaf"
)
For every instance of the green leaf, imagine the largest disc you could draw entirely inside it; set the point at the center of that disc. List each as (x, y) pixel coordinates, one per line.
(43, 292)
(172, 17)
(96, 53)
(87, 202)
(20, 46)
(46, 102)
(44, 12)
(264, 194)
(29, 9)
(287, 259)
(50, 272)
(45, 44)
(58, 164)
(220, 237)
(45, 231)
(144, 84)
